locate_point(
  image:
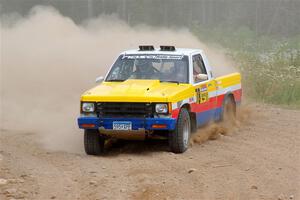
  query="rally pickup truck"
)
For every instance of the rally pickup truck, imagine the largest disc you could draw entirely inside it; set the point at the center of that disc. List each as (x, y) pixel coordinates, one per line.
(149, 92)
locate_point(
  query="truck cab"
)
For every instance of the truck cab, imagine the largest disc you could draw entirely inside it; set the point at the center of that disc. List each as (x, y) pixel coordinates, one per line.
(149, 92)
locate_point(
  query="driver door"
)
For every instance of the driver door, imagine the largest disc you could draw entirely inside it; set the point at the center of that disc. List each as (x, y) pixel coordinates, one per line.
(205, 92)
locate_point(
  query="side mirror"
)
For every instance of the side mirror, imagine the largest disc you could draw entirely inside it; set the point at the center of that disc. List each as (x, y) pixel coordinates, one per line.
(202, 77)
(99, 79)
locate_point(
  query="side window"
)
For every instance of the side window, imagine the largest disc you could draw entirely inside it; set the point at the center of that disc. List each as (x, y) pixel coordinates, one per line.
(198, 67)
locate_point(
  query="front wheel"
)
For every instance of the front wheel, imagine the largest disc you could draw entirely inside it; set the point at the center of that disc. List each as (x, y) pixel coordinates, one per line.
(93, 142)
(179, 138)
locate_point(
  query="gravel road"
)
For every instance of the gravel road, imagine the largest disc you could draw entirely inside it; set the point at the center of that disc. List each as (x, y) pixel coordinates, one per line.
(259, 159)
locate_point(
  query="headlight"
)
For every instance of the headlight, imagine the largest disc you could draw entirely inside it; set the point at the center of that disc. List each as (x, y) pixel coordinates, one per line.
(161, 108)
(88, 107)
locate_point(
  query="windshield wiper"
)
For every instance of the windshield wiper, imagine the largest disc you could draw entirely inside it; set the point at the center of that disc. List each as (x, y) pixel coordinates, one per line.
(171, 81)
(116, 80)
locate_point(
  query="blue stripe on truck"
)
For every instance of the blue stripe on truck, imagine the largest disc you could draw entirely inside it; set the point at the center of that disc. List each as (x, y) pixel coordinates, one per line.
(203, 118)
(137, 123)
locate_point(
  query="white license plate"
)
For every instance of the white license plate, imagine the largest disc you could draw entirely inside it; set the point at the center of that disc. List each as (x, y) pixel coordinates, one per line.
(121, 125)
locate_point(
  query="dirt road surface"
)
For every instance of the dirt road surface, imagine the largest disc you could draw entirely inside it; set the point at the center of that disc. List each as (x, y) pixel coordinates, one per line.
(258, 160)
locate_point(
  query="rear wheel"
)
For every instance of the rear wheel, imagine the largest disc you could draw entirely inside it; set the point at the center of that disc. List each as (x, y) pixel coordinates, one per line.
(93, 142)
(229, 109)
(179, 138)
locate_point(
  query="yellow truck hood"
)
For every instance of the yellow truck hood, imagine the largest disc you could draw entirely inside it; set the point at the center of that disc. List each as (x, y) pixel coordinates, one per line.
(134, 90)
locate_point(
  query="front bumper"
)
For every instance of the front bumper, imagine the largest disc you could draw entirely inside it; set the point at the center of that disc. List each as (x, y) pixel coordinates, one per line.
(137, 123)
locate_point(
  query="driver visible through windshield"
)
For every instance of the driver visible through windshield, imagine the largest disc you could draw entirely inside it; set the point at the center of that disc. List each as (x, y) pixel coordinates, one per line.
(166, 68)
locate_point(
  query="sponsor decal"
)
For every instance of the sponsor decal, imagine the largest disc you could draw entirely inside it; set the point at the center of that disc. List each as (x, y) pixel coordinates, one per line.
(191, 99)
(203, 88)
(155, 57)
(202, 94)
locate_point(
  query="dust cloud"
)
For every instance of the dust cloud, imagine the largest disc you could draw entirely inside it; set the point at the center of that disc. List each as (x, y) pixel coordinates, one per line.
(47, 61)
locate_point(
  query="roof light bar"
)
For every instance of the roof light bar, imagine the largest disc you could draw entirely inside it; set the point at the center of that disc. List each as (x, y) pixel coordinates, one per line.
(167, 48)
(146, 48)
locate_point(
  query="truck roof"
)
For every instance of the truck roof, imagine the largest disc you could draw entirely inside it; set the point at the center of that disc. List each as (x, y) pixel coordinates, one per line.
(178, 51)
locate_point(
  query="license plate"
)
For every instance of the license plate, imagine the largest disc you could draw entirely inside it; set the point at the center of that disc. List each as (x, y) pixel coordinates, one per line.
(121, 125)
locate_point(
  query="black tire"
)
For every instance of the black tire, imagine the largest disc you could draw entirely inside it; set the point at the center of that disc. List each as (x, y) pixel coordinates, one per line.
(178, 140)
(229, 109)
(93, 142)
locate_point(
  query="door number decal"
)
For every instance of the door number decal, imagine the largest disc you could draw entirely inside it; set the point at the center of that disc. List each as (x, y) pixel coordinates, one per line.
(202, 94)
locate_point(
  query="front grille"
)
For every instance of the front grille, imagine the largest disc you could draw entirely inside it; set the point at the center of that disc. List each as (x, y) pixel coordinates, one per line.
(112, 109)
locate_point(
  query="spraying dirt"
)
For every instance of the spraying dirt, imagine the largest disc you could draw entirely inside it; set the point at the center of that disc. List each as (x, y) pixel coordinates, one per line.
(47, 61)
(214, 131)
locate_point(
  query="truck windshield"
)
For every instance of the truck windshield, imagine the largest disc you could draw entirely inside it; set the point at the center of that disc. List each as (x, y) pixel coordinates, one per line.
(166, 68)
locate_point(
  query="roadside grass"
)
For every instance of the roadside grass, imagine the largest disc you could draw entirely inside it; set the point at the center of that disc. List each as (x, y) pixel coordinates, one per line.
(270, 66)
